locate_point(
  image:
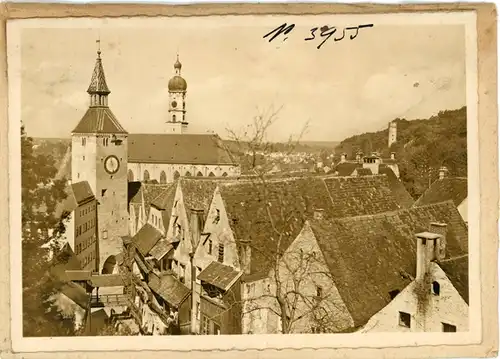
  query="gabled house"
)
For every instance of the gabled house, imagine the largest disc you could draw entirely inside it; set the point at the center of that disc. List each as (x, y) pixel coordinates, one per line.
(447, 188)
(250, 223)
(352, 268)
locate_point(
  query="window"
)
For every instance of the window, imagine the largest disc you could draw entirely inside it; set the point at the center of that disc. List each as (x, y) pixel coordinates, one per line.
(436, 288)
(105, 234)
(221, 253)
(448, 328)
(84, 141)
(216, 329)
(404, 319)
(84, 158)
(319, 291)
(209, 246)
(217, 217)
(103, 191)
(182, 272)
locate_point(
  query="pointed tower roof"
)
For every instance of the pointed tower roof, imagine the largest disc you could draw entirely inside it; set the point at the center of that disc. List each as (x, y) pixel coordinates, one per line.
(99, 118)
(98, 83)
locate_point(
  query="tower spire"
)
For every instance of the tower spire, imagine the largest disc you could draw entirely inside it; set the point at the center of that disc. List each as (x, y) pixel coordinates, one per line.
(98, 88)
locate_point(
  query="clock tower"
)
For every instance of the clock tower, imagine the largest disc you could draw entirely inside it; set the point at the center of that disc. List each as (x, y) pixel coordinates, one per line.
(99, 156)
(177, 88)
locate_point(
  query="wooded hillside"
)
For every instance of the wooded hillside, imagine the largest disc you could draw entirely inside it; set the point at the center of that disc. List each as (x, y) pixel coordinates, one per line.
(422, 147)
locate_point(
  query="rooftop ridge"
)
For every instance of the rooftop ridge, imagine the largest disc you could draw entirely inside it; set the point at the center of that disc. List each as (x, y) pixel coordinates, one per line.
(391, 213)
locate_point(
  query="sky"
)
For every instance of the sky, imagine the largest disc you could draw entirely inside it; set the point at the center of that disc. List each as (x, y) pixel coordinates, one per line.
(233, 74)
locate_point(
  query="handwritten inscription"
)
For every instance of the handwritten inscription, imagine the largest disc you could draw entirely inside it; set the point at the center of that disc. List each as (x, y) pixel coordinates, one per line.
(321, 34)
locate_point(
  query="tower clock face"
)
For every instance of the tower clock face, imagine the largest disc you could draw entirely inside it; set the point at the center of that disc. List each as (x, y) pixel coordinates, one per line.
(111, 164)
(174, 104)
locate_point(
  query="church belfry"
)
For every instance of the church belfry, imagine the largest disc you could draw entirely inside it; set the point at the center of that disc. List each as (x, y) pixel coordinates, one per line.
(99, 155)
(177, 88)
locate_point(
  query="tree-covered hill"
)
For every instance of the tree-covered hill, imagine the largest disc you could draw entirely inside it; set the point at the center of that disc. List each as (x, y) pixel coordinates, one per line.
(422, 147)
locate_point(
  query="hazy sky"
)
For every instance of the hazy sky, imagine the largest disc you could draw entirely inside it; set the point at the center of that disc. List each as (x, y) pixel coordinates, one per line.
(344, 88)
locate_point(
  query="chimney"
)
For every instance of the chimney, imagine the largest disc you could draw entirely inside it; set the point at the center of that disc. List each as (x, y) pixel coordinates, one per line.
(426, 249)
(343, 157)
(441, 229)
(443, 171)
(246, 256)
(196, 225)
(393, 155)
(318, 213)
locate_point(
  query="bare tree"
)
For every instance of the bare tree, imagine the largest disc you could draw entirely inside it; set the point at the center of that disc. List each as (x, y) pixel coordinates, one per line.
(296, 282)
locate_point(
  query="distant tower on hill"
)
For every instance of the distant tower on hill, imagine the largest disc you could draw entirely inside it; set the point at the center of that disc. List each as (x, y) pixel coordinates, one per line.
(393, 131)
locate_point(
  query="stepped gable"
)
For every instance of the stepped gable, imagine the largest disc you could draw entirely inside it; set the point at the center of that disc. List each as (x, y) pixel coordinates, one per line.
(380, 250)
(448, 188)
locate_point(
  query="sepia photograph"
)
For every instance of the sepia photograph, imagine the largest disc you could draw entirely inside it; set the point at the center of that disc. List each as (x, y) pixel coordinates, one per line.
(245, 176)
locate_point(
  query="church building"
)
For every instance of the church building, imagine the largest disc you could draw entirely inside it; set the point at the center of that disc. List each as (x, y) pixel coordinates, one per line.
(105, 155)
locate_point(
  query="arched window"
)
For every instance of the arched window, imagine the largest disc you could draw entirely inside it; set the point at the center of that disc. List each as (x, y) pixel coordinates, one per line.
(163, 177)
(211, 174)
(436, 288)
(176, 175)
(188, 174)
(224, 174)
(146, 175)
(130, 176)
(199, 174)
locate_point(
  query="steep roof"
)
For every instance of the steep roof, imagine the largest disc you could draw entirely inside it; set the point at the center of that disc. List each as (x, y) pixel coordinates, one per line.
(355, 196)
(219, 275)
(98, 83)
(346, 168)
(169, 288)
(457, 271)
(364, 171)
(206, 149)
(82, 191)
(146, 238)
(379, 251)
(397, 187)
(151, 192)
(250, 206)
(99, 120)
(448, 188)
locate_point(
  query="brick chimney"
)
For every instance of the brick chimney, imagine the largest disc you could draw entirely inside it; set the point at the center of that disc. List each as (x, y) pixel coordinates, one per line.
(443, 171)
(343, 157)
(426, 251)
(441, 229)
(246, 255)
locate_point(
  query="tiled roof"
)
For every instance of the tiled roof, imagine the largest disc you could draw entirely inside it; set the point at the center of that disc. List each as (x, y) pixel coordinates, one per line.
(99, 120)
(169, 288)
(205, 149)
(364, 171)
(355, 196)
(151, 192)
(78, 275)
(82, 191)
(346, 168)
(106, 280)
(397, 187)
(369, 255)
(98, 83)
(448, 188)
(161, 249)
(219, 275)
(165, 199)
(146, 238)
(457, 271)
(247, 204)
